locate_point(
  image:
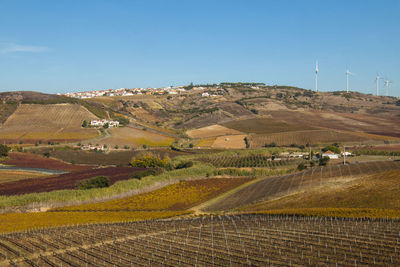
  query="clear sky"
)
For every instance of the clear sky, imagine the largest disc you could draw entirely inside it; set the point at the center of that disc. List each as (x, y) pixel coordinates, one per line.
(74, 45)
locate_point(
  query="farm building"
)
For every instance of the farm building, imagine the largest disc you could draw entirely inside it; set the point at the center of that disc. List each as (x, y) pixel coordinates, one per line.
(330, 155)
(90, 147)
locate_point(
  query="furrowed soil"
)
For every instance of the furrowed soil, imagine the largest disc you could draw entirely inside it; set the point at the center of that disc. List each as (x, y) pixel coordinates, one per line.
(65, 181)
(36, 161)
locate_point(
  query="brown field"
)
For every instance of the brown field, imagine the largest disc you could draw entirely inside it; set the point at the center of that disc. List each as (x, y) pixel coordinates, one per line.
(318, 179)
(265, 126)
(7, 176)
(135, 138)
(377, 191)
(47, 122)
(311, 137)
(37, 161)
(342, 121)
(212, 131)
(230, 142)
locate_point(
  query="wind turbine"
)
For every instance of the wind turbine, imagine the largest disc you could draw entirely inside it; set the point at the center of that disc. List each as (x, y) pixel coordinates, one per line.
(377, 83)
(387, 83)
(348, 73)
(316, 76)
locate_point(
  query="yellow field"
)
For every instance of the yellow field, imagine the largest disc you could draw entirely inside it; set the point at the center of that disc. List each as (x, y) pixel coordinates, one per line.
(134, 137)
(230, 141)
(205, 142)
(377, 191)
(57, 121)
(212, 131)
(11, 222)
(13, 175)
(178, 196)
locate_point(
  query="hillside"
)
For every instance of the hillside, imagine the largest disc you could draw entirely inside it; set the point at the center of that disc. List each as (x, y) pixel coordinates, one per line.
(53, 122)
(379, 191)
(263, 115)
(320, 187)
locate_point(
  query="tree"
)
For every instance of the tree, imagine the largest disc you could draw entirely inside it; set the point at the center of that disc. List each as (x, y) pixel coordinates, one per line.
(106, 125)
(84, 124)
(332, 148)
(4, 150)
(301, 166)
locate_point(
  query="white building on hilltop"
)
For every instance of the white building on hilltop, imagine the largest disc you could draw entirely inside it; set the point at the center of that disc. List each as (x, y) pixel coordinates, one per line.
(100, 123)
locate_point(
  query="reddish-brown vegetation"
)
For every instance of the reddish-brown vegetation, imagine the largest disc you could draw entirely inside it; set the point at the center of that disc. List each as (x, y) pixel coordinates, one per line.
(35, 161)
(65, 181)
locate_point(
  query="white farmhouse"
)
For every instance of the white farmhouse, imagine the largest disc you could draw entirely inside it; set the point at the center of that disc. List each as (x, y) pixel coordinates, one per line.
(330, 155)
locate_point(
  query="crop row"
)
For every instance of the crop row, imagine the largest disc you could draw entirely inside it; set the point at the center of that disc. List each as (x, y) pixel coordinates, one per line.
(247, 161)
(269, 188)
(256, 240)
(302, 138)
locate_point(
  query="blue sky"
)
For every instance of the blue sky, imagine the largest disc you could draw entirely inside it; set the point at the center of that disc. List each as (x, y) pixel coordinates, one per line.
(59, 46)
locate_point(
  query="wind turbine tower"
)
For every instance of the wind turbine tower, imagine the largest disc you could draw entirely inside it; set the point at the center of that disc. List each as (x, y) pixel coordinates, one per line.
(377, 84)
(348, 73)
(316, 76)
(387, 82)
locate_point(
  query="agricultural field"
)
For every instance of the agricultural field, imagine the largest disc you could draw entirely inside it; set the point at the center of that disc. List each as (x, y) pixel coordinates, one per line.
(255, 240)
(65, 181)
(264, 126)
(386, 126)
(132, 137)
(317, 178)
(37, 161)
(120, 157)
(11, 222)
(246, 161)
(211, 131)
(376, 191)
(180, 196)
(7, 176)
(311, 137)
(57, 122)
(230, 142)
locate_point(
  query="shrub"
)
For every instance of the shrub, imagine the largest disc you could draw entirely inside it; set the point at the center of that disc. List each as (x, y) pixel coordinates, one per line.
(301, 166)
(4, 150)
(84, 124)
(323, 161)
(95, 182)
(46, 154)
(149, 160)
(184, 165)
(140, 174)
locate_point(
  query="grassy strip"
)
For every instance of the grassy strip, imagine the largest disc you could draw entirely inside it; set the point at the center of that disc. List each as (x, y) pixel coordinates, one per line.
(334, 212)
(13, 222)
(117, 189)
